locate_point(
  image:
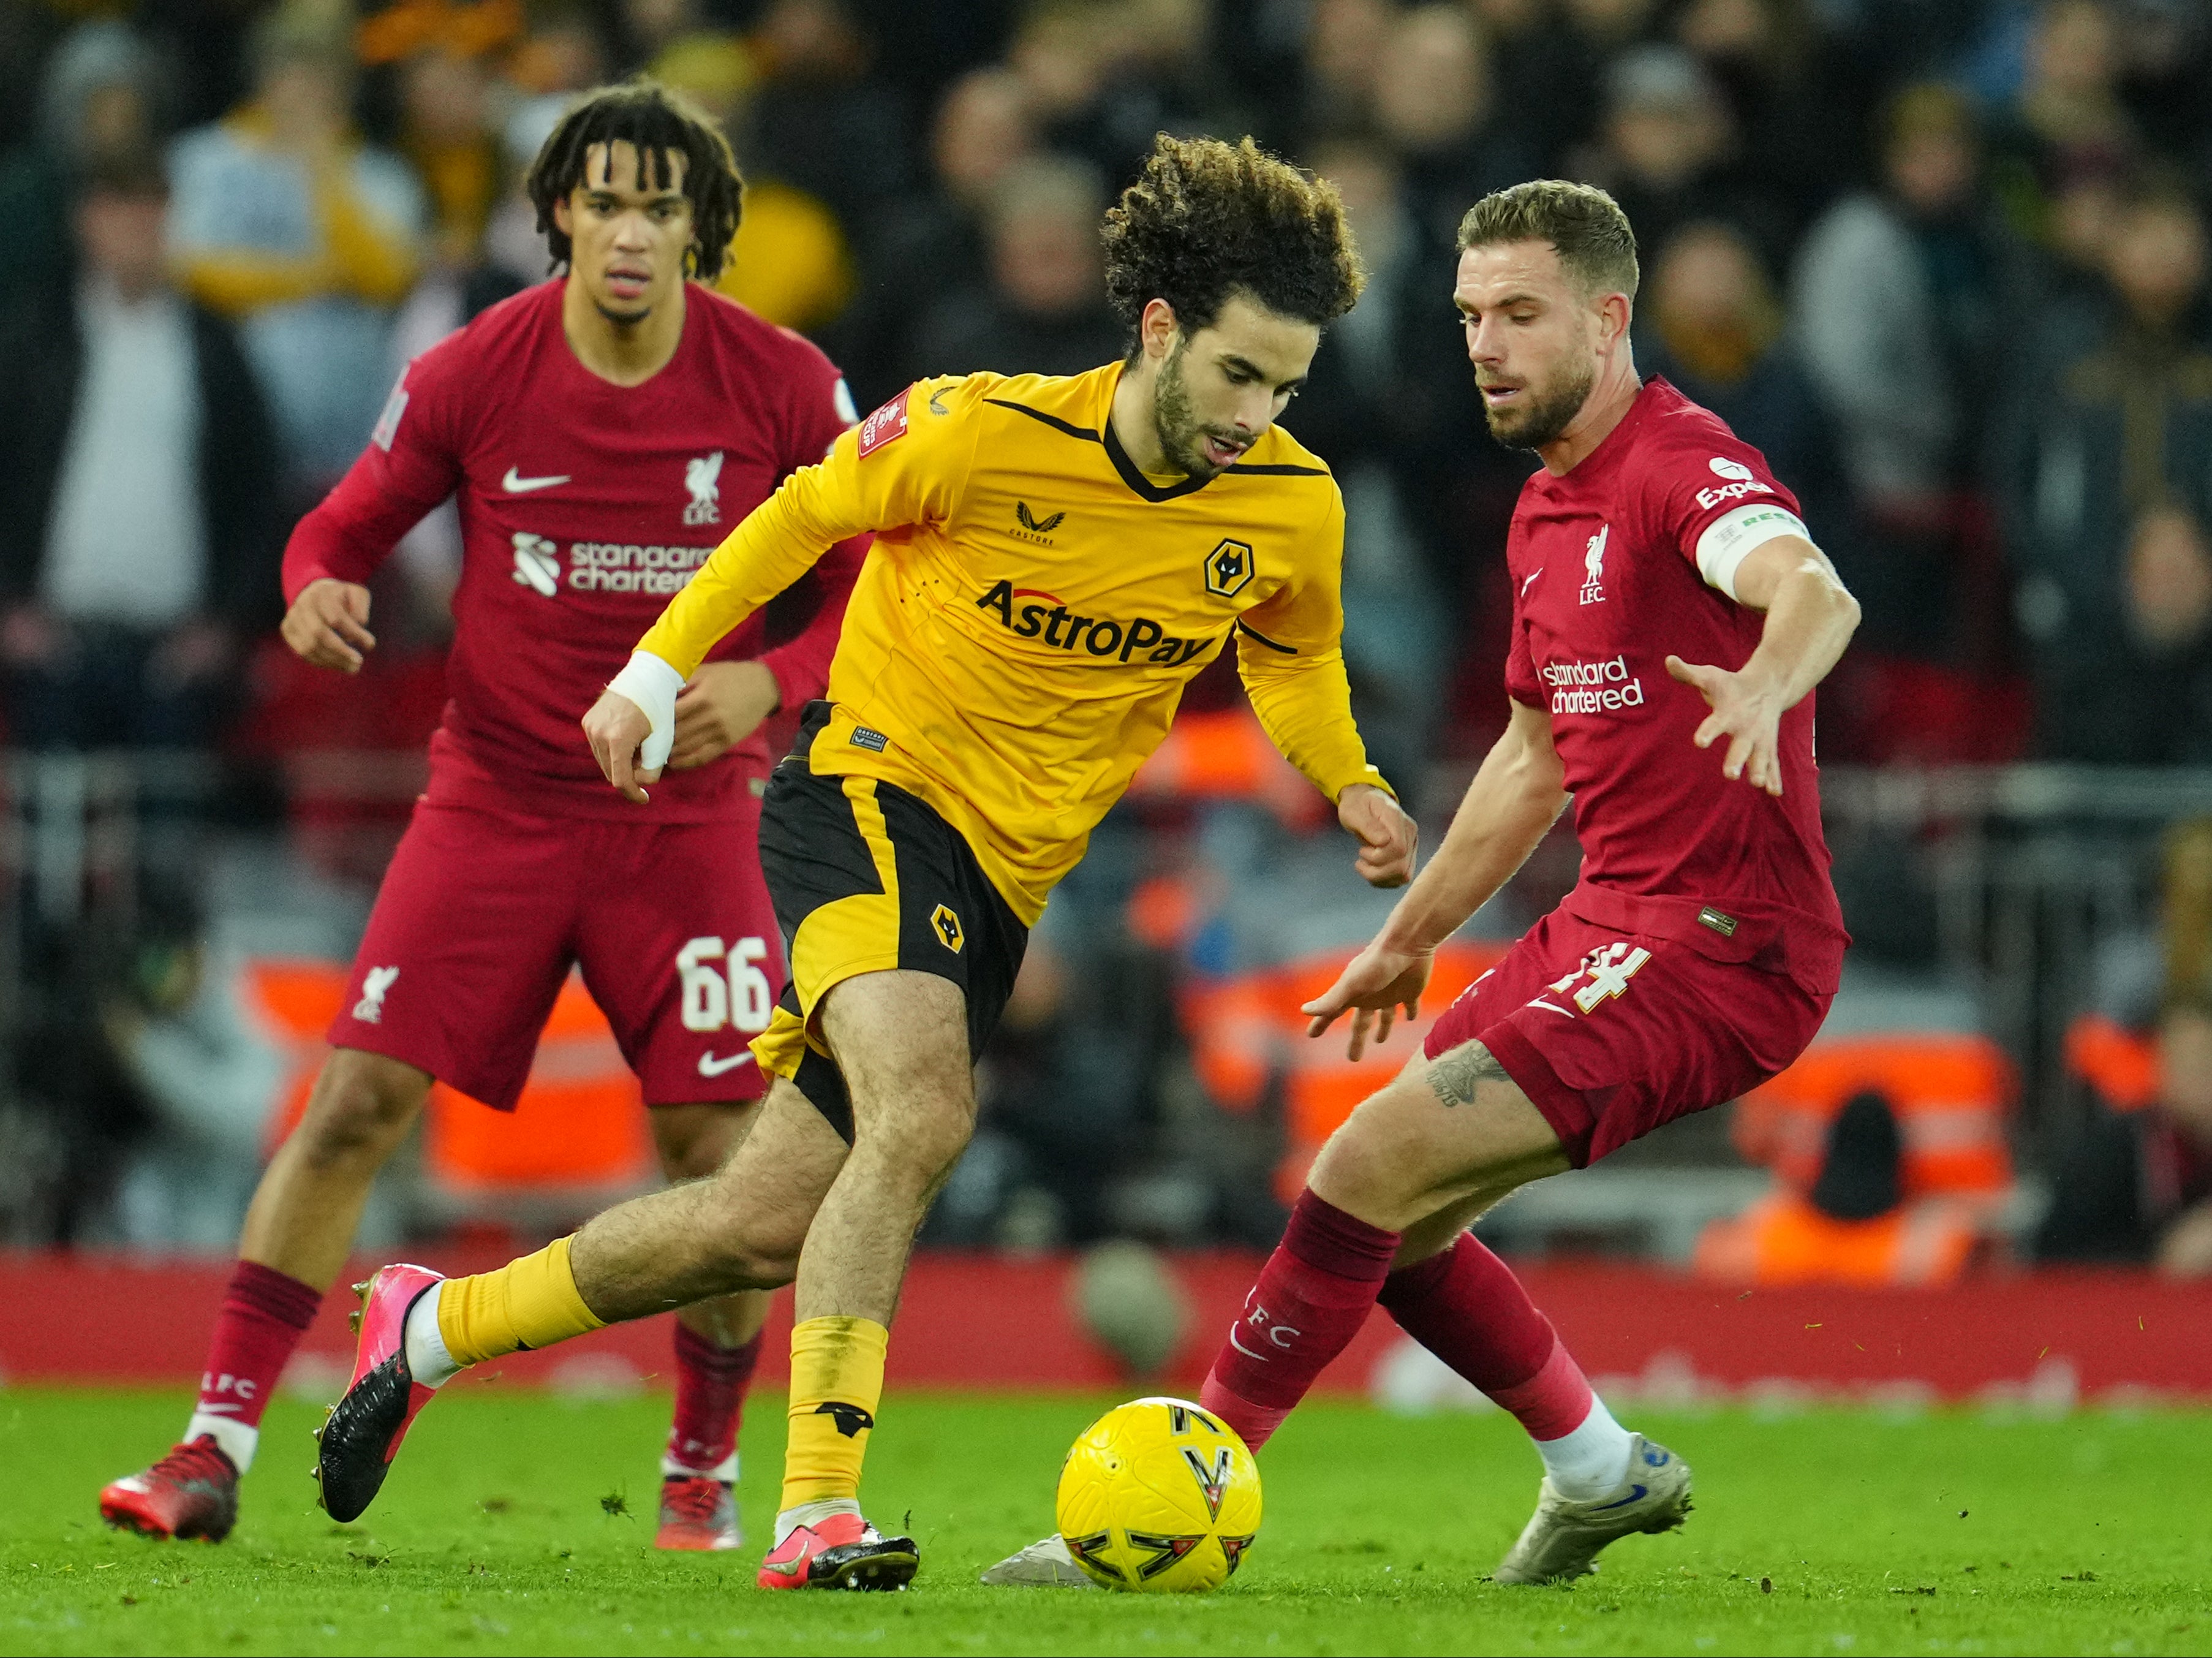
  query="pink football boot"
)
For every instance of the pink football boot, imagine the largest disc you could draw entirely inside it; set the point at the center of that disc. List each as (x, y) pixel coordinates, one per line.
(363, 1431)
(842, 1552)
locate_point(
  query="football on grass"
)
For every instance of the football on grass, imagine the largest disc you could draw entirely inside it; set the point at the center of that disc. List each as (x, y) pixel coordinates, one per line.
(1159, 1497)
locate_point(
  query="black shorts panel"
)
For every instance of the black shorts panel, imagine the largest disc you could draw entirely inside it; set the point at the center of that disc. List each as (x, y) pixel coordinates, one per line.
(865, 878)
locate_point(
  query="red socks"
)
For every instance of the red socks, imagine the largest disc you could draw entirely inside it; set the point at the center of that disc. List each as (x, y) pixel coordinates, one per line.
(264, 1315)
(1312, 1296)
(710, 1402)
(1465, 1306)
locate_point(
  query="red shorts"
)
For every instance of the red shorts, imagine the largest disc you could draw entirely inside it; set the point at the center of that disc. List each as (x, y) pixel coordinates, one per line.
(1611, 1034)
(482, 914)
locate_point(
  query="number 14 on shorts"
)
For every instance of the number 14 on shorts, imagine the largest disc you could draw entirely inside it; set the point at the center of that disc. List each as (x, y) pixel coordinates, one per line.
(724, 987)
(1608, 968)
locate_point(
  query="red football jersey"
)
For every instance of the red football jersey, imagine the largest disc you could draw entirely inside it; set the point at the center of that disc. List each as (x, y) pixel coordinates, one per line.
(584, 507)
(1606, 568)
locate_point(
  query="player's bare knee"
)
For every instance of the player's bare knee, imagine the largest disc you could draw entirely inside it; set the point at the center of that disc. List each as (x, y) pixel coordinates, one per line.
(918, 1146)
(762, 1262)
(695, 1141)
(772, 1246)
(748, 1246)
(689, 1165)
(1447, 1132)
(360, 1109)
(1360, 1172)
(1439, 1230)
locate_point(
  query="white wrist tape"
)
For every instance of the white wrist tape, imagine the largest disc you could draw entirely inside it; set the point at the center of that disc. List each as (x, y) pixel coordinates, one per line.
(1733, 535)
(651, 684)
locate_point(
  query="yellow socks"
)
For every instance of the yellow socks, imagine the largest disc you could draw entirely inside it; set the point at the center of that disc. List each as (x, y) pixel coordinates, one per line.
(528, 1303)
(836, 1382)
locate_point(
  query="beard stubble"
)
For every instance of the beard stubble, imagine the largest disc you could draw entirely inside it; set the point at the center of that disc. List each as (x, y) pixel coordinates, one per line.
(1543, 420)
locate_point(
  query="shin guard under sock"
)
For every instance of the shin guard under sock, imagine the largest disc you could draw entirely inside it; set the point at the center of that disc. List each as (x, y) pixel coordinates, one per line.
(265, 1314)
(836, 1384)
(1311, 1298)
(710, 1402)
(532, 1302)
(1465, 1306)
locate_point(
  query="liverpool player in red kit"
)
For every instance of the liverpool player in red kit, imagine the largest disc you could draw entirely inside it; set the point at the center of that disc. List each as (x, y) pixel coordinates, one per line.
(602, 432)
(1671, 618)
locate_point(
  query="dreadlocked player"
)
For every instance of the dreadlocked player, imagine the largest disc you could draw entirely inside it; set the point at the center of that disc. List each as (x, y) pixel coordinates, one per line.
(601, 432)
(1055, 559)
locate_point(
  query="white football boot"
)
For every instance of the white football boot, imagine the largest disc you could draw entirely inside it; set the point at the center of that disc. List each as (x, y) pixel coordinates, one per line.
(1046, 1564)
(1561, 1542)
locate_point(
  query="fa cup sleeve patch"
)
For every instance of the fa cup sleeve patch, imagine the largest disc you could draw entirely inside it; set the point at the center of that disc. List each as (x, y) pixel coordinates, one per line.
(387, 423)
(887, 425)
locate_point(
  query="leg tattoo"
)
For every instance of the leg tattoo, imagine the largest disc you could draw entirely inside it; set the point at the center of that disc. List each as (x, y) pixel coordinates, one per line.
(1456, 1076)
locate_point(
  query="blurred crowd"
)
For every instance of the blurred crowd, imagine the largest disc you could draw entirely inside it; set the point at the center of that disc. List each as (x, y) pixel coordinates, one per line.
(1945, 261)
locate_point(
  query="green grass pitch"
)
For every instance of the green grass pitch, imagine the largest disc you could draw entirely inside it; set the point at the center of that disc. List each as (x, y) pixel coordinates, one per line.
(519, 1522)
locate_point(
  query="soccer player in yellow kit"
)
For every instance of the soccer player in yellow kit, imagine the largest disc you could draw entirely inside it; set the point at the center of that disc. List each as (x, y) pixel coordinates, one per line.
(1054, 559)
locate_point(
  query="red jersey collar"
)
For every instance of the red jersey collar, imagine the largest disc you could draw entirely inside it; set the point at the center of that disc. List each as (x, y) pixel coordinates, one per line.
(687, 344)
(1614, 444)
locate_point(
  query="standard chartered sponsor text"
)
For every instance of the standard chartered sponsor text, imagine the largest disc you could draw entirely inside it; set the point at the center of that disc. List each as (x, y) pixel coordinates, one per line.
(627, 567)
(1593, 687)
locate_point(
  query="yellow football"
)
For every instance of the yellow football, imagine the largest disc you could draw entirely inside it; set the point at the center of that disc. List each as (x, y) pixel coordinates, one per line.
(1159, 1497)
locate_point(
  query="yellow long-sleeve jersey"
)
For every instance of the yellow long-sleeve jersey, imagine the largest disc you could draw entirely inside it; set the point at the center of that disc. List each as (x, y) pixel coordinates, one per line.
(1023, 629)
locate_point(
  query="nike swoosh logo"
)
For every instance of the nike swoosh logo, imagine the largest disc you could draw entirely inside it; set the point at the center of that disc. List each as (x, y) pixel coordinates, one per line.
(515, 484)
(1242, 1348)
(1530, 582)
(786, 1568)
(710, 1066)
(1636, 1494)
(1549, 1008)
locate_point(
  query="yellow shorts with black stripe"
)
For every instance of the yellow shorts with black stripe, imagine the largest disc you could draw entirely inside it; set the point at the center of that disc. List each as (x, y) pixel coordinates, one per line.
(866, 878)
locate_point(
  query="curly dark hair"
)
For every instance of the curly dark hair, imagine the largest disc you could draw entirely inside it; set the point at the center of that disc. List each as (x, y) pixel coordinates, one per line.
(1206, 220)
(659, 121)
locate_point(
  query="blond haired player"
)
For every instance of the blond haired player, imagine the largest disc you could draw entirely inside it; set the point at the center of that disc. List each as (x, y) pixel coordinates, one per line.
(1055, 559)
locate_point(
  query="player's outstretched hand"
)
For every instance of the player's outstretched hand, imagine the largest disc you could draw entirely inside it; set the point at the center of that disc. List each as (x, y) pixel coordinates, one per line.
(1372, 989)
(1387, 836)
(328, 624)
(722, 706)
(1747, 713)
(616, 725)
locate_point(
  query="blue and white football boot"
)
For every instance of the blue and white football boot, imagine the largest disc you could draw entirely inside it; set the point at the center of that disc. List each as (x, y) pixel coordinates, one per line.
(1562, 1541)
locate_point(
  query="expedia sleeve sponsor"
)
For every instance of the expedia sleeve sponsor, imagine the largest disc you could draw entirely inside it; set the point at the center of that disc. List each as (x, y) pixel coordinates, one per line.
(1717, 508)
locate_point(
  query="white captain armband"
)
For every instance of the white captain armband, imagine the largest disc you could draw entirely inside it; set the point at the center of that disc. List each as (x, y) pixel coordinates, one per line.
(651, 684)
(1733, 534)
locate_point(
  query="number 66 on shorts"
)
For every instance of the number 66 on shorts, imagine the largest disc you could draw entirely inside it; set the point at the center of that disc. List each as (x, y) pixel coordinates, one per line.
(485, 913)
(725, 988)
